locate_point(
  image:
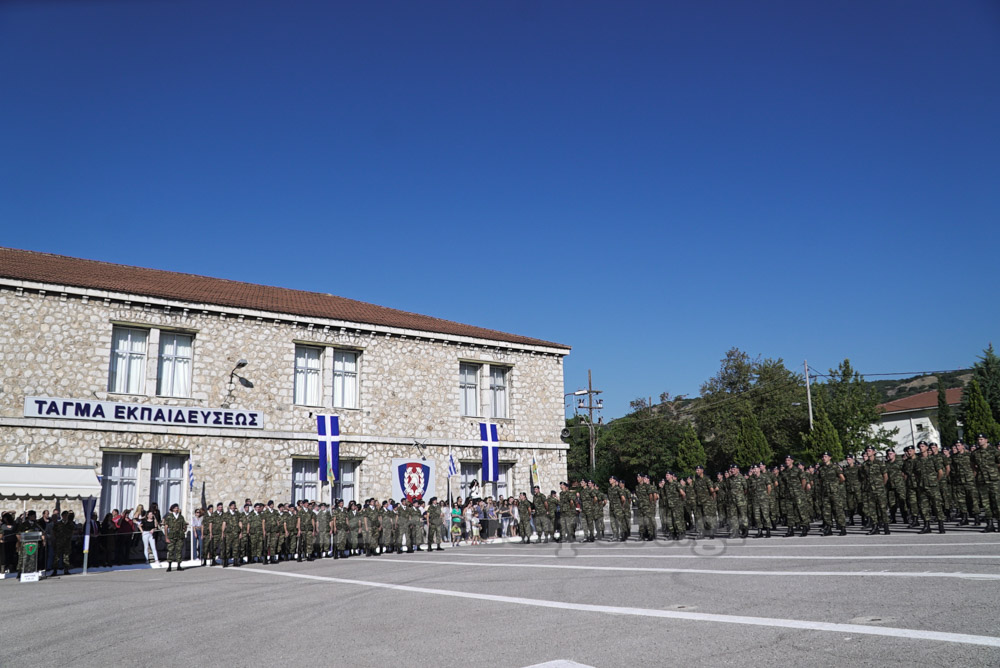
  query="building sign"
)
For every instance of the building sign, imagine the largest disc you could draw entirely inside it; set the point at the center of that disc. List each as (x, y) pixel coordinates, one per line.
(412, 478)
(113, 411)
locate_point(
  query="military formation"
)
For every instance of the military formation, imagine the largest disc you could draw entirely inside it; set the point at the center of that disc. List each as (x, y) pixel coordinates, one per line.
(306, 530)
(924, 488)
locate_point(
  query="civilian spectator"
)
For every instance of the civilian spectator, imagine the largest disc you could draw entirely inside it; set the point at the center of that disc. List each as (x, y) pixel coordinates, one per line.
(196, 527)
(149, 526)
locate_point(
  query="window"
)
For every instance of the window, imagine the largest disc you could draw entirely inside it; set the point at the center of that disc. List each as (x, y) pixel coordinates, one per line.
(345, 379)
(128, 360)
(174, 375)
(498, 391)
(307, 368)
(167, 481)
(305, 479)
(504, 480)
(119, 474)
(343, 488)
(469, 473)
(468, 383)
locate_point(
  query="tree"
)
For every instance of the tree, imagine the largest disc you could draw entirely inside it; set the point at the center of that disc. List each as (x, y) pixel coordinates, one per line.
(823, 437)
(979, 418)
(987, 373)
(853, 407)
(947, 422)
(751, 445)
(690, 452)
(765, 388)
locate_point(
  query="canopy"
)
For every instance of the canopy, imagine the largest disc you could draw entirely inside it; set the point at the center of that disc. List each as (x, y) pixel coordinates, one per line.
(34, 481)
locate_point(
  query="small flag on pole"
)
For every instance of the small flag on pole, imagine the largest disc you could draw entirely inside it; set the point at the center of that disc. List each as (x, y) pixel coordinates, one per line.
(534, 472)
(491, 452)
(452, 466)
(190, 476)
(328, 430)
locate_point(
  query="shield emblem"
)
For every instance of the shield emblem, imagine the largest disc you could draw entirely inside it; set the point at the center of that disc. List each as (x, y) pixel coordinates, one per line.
(413, 479)
(30, 548)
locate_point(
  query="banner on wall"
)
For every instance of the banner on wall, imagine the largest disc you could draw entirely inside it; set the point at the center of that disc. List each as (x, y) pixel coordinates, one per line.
(413, 478)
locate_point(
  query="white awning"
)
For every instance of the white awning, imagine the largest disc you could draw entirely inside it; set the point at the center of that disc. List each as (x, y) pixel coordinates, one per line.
(31, 481)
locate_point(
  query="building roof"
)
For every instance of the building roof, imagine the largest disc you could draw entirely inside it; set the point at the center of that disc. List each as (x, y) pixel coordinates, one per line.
(74, 272)
(922, 401)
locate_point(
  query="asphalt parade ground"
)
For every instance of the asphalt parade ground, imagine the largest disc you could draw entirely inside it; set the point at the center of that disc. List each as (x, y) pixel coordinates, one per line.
(903, 599)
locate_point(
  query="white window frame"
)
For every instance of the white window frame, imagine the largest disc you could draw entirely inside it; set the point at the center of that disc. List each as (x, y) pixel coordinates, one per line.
(469, 471)
(165, 488)
(499, 404)
(469, 392)
(168, 375)
(129, 360)
(344, 379)
(503, 484)
(118, 489)
(304, 375)
(305, 479)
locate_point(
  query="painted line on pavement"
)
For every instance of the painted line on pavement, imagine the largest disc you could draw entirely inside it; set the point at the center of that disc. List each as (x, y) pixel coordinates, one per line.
(706, 571)
(861, 629)
(779, 557)
(738, 543)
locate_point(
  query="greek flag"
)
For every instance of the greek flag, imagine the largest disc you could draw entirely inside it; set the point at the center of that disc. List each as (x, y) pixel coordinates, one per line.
(190, 476)
(452, 466)
(491, 452)
(328, 430)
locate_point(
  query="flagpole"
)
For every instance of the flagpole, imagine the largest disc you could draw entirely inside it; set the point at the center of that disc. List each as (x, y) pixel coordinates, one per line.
(449, 485)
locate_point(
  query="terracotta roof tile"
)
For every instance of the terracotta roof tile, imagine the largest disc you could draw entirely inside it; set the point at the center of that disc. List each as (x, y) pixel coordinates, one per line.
(62, 270)
(922, 400)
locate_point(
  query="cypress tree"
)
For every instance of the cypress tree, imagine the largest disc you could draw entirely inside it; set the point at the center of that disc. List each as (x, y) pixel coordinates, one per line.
(690, 452)
(751, 445)
(823, 437)
(947, 422)
(978, 417)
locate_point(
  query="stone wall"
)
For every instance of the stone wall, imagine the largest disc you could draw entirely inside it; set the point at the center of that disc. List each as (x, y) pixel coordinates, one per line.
(57, 343)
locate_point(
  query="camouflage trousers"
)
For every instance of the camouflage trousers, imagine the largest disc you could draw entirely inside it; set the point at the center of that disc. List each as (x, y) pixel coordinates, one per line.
(61, 552)
(833, 509)
(274, 543)
(675, 519)
(798, 511)
(878, 507)
(709, 515)
(967, 498)
(256, 545)
(930, 503)
(738, 518)
(853, 500)
(587, 519)
(911, 500)
(989, 497)
(324, 541)
(175, 549)
(434, 532)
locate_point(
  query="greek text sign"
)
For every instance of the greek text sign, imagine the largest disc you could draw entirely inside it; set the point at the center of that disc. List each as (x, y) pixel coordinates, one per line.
(113, 411)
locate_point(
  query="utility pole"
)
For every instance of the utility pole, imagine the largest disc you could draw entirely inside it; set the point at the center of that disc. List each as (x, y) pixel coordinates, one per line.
(809, 399)
(590, 406)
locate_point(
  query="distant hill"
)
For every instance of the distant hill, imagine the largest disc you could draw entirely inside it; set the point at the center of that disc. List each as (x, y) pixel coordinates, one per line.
(899, 388)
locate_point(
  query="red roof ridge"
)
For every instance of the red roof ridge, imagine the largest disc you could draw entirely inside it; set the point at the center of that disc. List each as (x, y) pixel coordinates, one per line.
(80, 272)
(953, 396)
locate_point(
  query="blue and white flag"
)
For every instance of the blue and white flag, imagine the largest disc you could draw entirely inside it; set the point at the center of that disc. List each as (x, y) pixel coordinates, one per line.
(328, 430)
(491, 452)
(452, 466)
(190, 476)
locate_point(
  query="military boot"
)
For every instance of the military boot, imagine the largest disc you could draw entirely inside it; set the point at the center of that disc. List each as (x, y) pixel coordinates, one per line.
(805, 531)
(927, 527)
(767, 533)
(790, 532)
(843, 530)
(179, 567)
(170, 566)
(827, 530)
(914, 522)
(885, 529)
(940, 527)
(874, 530)
(989, 526)
(964, 522)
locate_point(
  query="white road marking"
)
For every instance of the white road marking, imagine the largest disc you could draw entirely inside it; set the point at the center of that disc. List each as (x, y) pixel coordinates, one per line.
(792, 557)
(704, 571)
(731, 543)
(861, 629)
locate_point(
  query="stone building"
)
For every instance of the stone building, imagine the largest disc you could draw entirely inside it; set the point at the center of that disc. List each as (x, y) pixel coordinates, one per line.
(140, 372)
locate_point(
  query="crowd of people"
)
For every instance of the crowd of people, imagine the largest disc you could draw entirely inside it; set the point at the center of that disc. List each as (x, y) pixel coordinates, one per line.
(925, 487)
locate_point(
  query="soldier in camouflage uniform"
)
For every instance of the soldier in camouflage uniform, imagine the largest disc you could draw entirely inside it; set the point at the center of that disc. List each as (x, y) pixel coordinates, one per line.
(602, 503)
(676, 526)
(896, 489)
(390, 518)
(540, 506)
(306, 532)
(257, 532)
(796, 486)
(614, 508)
(928, 491)
(739, 522)
(986, 460)
(944, 489)
(852, 487)
(232, 531)
(831, 482)
(876, 478)
(758, 487)
(586, 500)
(705, 493)
(323, 519)
(434, 522)
(174, 528)
(964, 484)
(553, 504)
(910, 473)
(567, 514)
(272, 541)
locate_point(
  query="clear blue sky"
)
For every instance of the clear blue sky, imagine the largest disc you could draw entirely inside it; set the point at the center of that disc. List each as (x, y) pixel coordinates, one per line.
(651, 183)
